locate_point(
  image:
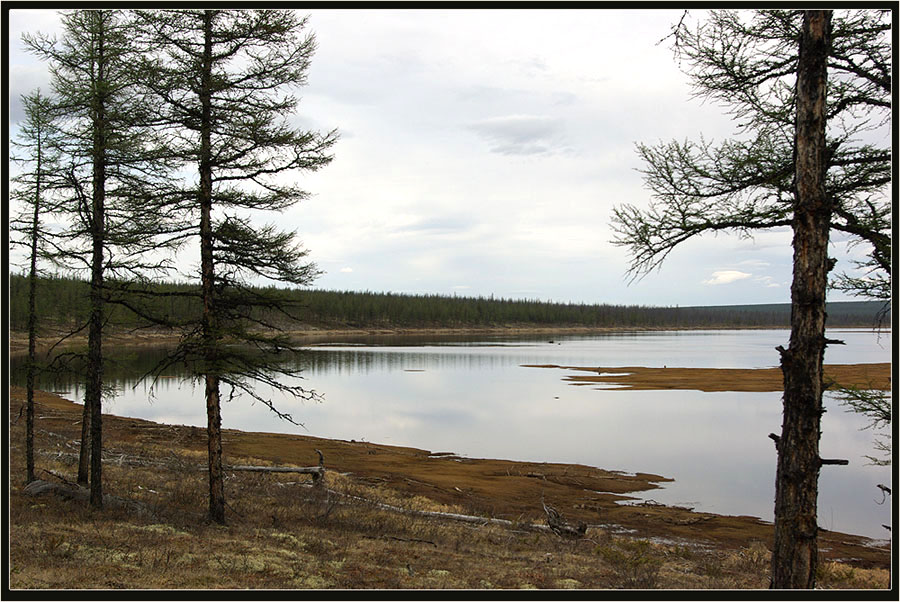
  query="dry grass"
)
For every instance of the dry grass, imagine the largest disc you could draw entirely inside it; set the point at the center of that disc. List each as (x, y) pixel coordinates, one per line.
(284, 534)
(635, 378)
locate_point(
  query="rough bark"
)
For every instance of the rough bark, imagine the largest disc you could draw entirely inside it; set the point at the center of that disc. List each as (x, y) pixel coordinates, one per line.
(794, 558)
(207, 274)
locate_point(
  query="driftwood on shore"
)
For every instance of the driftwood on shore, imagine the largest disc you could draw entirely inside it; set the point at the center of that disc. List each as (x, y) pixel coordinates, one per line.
(68, 490)
(465, 518)
(555, 523)
(72, 491)
(313, 470)
(560, 526)
(317, 472)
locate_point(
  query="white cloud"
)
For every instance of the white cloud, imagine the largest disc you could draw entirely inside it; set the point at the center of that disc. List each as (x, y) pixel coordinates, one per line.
(767, 281)
(488, 147)
(522, 134)
(754, 263)
(726, 277)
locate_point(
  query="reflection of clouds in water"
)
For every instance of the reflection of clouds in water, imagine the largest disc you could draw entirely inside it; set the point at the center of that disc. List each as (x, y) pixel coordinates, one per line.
(479, 401)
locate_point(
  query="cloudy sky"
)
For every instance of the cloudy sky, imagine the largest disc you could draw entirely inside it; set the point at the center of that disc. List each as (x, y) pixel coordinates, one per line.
(482, 152)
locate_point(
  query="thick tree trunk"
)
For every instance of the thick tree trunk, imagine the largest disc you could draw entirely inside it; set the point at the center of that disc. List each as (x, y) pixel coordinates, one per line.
(207, 278)
(794, 558)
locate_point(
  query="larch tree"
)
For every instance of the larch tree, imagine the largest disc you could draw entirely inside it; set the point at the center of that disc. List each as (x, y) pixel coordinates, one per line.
(108, 164)
(815, 161)
(37, 152)
(747, 62)
(795, 553)
(225, 78)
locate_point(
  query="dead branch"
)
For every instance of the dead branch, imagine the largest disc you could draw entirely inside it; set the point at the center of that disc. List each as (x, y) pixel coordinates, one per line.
(560, 526)
(21, 409)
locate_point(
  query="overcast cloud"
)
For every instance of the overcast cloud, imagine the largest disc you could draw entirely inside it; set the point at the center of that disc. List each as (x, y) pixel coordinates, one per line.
(482, 151)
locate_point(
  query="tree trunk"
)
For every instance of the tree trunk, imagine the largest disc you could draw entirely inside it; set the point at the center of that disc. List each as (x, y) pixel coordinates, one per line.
(84, 452)
(207, 278)
(214, 440)
(32, 326)
(94, 386)
(91, 423)
(794, 557)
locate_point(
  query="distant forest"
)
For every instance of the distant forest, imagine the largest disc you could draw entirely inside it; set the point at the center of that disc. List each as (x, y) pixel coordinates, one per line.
(63, 301)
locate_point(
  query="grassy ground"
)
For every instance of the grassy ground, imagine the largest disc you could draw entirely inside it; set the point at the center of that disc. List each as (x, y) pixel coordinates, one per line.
(284, 534)
(640, 378)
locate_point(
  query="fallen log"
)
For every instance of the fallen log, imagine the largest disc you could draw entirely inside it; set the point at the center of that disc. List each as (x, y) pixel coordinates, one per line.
(465, 518)
(315, 470)
(70, 491)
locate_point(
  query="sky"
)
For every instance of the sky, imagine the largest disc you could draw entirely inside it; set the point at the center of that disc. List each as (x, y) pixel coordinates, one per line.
(482, 152)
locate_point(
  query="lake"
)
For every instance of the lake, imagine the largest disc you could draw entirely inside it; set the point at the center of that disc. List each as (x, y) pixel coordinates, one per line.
(475, 397)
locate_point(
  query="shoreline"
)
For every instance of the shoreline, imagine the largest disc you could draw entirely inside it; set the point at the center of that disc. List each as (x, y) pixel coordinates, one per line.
(876, 375)
(497, 488)
(18, 341)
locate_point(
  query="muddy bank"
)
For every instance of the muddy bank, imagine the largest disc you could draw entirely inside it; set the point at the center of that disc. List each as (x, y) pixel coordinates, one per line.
(640, 378)
(489, 487)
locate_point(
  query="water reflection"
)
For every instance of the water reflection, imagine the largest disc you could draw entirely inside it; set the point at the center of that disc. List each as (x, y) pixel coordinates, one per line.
(473, 397)
(318, 360)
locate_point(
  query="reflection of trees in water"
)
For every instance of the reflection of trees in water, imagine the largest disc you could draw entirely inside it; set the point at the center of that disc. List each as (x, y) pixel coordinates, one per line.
(384, 359)
(122, 367)
(126, 367)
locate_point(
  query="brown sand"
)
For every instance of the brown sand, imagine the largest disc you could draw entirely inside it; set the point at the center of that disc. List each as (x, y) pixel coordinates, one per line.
(631, 378)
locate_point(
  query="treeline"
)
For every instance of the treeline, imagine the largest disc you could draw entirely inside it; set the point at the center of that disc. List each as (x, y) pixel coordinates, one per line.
(63, 301)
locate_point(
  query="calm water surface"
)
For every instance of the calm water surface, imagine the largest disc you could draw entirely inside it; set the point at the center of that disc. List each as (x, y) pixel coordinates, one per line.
(474, 397)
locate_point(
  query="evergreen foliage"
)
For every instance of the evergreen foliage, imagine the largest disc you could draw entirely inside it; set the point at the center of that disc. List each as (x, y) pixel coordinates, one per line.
(63, 300)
